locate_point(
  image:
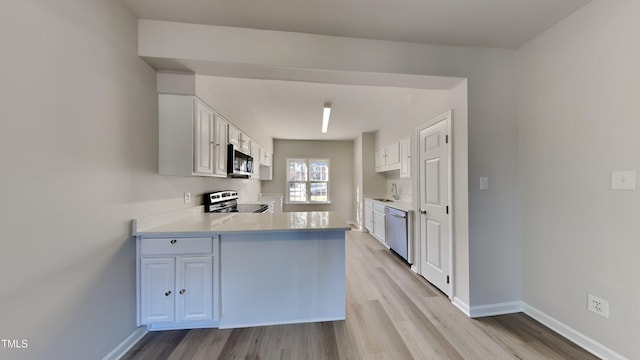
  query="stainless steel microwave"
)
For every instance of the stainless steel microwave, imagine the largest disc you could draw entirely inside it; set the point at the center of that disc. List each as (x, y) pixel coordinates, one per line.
(239, 164)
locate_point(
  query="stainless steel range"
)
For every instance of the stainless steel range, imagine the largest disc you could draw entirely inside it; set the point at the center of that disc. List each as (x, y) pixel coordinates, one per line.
(227, 201)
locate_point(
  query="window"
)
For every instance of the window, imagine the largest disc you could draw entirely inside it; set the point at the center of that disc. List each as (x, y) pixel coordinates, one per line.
(307, 181)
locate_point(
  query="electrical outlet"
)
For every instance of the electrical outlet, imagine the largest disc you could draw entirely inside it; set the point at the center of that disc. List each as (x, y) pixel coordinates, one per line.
(484, 183)
(623, 180)
(187, 198)
(598, 306)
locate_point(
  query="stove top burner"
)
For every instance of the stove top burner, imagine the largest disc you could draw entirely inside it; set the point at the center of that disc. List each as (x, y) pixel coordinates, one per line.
(227, 201)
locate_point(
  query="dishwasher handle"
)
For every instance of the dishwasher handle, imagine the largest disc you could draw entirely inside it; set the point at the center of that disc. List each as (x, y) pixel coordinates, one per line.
(395, 213)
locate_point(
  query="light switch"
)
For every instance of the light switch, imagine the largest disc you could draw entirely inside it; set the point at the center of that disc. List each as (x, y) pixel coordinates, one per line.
(484, 183)
(623, 180)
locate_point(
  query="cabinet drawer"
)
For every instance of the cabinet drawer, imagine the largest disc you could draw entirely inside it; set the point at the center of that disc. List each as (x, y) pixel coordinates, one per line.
(378, 207)
(170, 246)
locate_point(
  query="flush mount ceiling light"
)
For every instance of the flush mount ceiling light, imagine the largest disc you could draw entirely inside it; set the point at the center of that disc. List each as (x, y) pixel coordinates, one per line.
(325, 117)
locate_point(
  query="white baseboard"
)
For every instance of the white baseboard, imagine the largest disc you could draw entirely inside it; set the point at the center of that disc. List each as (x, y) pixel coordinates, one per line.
(572, 335)
(414, 269)
(126, 344)
(464, 307)
(569, 333)
(495, 309)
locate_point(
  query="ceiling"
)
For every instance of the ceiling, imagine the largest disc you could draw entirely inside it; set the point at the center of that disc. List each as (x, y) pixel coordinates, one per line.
(293, 110)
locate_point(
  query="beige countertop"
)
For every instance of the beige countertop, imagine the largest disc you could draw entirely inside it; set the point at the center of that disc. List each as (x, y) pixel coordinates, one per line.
(196, 223)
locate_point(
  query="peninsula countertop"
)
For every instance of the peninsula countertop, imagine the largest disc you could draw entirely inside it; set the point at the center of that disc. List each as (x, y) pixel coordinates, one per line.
(196, 223)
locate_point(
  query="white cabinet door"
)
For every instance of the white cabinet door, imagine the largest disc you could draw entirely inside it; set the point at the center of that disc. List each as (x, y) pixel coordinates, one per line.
(221, 130)
(405, 158)
(157, 297)
(194, 287)
(255, 150)
(267, 158)
(388, 158)
(235, 136)
(241, 141)
(255, 153)
(203, 146)
(368, 216)
(378, 226)
(380, 158)
(245, 143)
(393, 154)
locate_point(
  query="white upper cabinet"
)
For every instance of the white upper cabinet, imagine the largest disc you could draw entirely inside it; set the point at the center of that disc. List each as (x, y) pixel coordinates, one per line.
(235, 136)
(381, 158)
(393, 154)
(204, 149)
(187, 135)
(405, 158)
(193, 139)
(267, 157)
(241, 141)
(255, 150)
(220, 146)
(388, 158)
(255, 153)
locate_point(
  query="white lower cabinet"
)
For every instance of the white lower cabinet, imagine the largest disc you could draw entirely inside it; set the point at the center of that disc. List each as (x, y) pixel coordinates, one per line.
(378, 223)
(157, 296)
(368, 215)
(194, 287)
(178, 283)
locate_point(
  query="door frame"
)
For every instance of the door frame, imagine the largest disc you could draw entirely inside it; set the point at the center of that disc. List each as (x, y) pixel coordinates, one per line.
(448, 115)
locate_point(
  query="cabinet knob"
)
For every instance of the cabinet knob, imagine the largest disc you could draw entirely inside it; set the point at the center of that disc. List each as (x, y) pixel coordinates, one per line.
(173, 241)
(182, 291)
(167, 293)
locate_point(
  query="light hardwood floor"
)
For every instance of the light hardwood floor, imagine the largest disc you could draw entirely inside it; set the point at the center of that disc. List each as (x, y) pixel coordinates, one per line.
(392, 313)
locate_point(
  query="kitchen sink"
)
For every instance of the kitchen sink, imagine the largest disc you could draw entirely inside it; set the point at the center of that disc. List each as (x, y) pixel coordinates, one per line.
(384, 200)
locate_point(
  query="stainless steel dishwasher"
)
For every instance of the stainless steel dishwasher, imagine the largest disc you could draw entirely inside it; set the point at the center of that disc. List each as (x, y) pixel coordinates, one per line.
(398, 225)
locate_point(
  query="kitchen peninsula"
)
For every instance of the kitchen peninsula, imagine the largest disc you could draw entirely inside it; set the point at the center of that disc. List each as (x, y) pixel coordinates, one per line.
(197, 270)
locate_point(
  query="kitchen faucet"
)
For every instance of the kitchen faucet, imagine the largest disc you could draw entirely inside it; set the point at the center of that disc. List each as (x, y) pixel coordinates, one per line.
(394, 191)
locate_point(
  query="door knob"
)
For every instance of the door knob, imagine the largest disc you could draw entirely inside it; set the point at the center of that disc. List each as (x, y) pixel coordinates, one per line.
(423, 212)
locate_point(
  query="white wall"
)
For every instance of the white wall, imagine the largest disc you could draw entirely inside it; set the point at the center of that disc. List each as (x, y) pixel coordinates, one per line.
(491, 111)
(578, 120)
(341, 173)
(78, 148)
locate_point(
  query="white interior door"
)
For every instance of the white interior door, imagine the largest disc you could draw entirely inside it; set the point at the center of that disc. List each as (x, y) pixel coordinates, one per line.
(434, 218)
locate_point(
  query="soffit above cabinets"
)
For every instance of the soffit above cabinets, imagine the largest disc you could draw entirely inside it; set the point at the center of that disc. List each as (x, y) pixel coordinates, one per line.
(478, 23)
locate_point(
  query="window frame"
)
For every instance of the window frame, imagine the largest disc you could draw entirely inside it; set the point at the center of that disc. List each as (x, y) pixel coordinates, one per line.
(308, 182)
